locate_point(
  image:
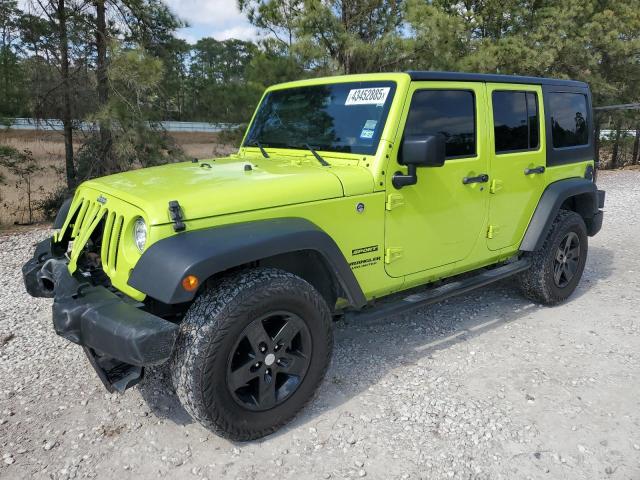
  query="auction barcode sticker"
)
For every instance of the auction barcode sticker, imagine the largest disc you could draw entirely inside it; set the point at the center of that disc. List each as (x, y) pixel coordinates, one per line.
(367, 96)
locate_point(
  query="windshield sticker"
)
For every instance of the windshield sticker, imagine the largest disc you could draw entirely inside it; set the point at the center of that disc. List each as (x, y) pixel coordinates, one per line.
(368, 129)
(367, 96)
(366, 133)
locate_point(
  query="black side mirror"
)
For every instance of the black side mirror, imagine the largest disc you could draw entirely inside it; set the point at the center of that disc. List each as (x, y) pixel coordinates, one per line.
(419, 151)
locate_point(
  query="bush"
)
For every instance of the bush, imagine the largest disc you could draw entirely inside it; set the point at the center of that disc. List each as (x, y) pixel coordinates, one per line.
(23, 166)
(232, 136)
(50, 204)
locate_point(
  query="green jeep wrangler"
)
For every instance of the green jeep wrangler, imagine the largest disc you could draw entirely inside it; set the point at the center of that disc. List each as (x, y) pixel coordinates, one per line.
(345, 190)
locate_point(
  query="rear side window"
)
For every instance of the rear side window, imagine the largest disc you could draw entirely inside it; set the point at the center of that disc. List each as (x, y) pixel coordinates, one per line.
(515, 121)
(450, 113)
(568, 112)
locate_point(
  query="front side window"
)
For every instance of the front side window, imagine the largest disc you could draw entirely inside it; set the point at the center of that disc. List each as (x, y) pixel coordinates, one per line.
(450, 113)
(569, 126)
(341, 117)
(515, 121)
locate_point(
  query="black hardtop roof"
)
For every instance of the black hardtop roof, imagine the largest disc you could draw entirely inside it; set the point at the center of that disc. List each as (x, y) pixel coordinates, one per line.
(492, 77)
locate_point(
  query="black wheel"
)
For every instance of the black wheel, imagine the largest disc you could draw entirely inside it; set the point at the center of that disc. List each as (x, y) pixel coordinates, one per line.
(557, 267)
(567, 260)
(269, 361)
(252, 350)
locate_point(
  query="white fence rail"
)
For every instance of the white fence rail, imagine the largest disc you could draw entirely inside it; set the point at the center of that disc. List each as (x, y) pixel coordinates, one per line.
(171, 126)
(55, 124)
(610, 134)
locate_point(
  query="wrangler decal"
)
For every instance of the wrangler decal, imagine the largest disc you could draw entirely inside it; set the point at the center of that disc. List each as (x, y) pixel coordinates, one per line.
(365, 262)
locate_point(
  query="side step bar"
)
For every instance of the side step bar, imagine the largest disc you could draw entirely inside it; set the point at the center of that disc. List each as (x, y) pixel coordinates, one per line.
(435, 295)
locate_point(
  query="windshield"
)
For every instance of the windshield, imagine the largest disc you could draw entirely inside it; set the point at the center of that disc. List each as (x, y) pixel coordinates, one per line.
(340, 117)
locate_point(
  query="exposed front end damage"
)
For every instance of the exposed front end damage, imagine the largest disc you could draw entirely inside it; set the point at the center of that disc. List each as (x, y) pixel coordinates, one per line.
(118, 335)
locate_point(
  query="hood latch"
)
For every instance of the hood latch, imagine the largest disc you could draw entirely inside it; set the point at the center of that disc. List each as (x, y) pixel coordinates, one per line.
(175, 212)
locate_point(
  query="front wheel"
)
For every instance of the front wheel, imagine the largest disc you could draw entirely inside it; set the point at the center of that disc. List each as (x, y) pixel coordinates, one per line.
(557, 267)
(251, 352)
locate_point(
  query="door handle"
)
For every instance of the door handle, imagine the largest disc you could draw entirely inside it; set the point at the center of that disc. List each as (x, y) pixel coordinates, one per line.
(531, 171)
(482, 178)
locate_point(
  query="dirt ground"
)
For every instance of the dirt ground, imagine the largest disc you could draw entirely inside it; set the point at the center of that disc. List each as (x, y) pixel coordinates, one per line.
(486, 386)
(48, 150)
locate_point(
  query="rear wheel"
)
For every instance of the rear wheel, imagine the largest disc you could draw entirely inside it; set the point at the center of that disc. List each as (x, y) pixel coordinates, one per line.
(251, 352)
(557, 267)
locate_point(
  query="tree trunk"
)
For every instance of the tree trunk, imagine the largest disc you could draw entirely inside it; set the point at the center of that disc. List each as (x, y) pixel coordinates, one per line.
(635, 158)
(29, 205)
(66, 95)
(105, 157)
(344, 54)
(616, 148)
(597, 142)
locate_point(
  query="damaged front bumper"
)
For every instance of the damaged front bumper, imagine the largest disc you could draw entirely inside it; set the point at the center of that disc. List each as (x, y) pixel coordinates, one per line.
(119, 337)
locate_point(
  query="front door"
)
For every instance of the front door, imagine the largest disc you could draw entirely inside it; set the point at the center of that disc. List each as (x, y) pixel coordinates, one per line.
(440, 219)
(518, 161)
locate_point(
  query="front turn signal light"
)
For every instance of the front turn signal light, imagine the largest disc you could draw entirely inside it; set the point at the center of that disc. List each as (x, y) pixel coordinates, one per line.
(190, 283)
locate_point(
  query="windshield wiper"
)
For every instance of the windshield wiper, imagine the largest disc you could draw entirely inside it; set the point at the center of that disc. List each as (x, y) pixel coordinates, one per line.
(322, 161)
(256, 143)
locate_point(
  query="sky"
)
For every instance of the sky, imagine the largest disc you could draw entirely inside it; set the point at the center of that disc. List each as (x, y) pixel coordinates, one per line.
(219, 19)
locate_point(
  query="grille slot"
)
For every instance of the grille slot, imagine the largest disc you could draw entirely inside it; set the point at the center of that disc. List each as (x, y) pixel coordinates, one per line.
(106, 239)
(89, 215)
(80, 218)
(114, 241)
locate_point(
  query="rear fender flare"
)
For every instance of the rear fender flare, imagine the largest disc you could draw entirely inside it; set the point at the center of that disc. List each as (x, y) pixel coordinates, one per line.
(585, 201)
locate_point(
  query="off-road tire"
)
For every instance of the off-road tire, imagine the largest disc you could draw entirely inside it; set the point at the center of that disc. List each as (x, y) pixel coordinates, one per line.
(537, 283)
(211, 328)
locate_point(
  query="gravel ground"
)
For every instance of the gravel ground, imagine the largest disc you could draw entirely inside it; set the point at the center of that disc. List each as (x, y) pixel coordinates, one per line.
(485, 386)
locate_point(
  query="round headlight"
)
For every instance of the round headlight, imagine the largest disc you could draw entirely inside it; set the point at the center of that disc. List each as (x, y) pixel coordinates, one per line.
(140, 233)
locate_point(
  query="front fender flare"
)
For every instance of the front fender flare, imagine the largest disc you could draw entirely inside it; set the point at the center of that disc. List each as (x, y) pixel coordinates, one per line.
(203, 253)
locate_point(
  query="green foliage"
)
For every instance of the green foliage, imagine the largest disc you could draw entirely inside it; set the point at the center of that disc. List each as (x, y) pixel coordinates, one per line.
(153, 76)
(23, 166)
(333, 36)
(6, 122)
(130, 114)
(272, 64)
(50, 204)
(147, 23)
(232, 136)
(217, 81)
(19, 163)
(13, 94)
(592, 40)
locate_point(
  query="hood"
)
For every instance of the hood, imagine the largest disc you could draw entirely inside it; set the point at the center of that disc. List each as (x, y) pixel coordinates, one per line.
(226, 185)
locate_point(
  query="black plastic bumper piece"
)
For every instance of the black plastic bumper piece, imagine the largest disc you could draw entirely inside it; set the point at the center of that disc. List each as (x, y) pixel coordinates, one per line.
(116, 376)
(118, 337)
(36, 285)
(113, 326)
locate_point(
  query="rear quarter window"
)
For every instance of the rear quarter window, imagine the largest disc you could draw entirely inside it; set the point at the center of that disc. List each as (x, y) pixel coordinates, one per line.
(569, 120)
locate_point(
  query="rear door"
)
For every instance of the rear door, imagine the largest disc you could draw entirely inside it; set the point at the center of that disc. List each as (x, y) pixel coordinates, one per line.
(517, 160)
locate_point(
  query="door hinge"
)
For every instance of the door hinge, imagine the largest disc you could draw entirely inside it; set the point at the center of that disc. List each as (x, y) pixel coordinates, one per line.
(492, 230)
(495, 185)
(392, 254)
(394, 200)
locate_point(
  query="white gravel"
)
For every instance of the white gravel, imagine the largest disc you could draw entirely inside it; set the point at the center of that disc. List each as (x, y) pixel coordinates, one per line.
(488, 386)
